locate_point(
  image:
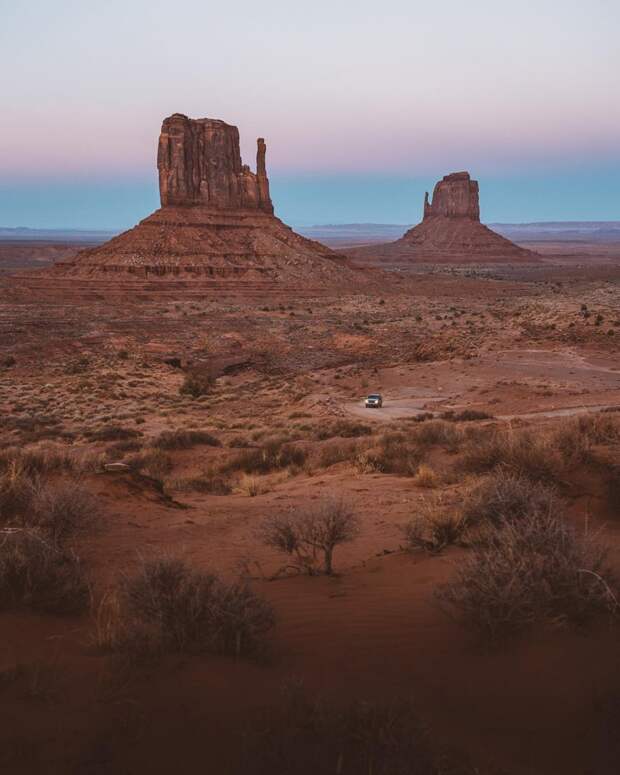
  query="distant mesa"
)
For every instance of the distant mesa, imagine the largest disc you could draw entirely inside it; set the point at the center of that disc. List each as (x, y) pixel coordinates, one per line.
(215, 225)
(450, 231)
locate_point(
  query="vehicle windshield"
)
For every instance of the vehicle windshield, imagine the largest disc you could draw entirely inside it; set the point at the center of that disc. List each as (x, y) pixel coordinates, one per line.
(374, 395)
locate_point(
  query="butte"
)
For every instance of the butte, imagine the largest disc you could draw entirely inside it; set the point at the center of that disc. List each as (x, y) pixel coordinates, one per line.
(450, 231)
(215, 230)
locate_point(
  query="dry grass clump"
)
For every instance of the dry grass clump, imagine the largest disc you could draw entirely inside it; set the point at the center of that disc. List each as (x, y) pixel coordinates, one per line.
(467, 415)
(505, 497)
(437, 433)
(345, 429)
(43, 459)
(197, 383)
(59, 510)
(273, 456)
(397, 453)
(575, 436)
(113, 432)
(435, 532)
(153, 462)
(209, 482)
(311, 533)
(37, 573)
(521, 452)
(338, 451)
(62, 510)
(169, 607)
(252, 486)
(304, 736)
(530, 570)
(184, 439)
(426, 477)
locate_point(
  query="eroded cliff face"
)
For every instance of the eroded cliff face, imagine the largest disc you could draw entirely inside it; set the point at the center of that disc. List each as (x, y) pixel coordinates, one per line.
(199, 163)
(455, 196)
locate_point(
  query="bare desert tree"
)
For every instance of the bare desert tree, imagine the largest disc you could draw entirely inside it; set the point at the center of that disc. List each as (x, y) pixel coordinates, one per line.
(312, 531)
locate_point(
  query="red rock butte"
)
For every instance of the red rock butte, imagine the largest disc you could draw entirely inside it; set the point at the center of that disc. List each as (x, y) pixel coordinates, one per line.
(215, 228)
(450, 231)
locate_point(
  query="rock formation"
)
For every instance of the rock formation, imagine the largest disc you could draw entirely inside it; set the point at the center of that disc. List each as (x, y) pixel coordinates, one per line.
(455, 196)
(215, 225)
(450, 231)
(199, 163)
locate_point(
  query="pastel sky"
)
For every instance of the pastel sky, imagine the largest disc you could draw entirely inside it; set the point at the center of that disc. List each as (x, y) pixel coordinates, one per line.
(364, 104)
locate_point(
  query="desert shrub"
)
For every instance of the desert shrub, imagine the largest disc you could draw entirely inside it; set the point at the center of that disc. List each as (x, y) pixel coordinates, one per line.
(208, 482)
(467, 415)
(426, 477)
(345, 428)
(197, 383)
(397, 453)
(504, 497)
(576, 435)
(44, 459)
(535, 569)
(304, 736)
(170, 607)
(62, 509)
(8, 361)
(184, 439)
(58, 510)
(15, 491)
(437, 433)
(314, 530)
(113, 432)
(521, 452)
(336, 451)
(435, 532)
(251, 486)
(272, 456)
(35, 573)
(154, 463)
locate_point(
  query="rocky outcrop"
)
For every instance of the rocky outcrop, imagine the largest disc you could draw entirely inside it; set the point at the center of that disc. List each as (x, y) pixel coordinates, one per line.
(450, 232)
(199, 163)
(455, 196)
(215, 229)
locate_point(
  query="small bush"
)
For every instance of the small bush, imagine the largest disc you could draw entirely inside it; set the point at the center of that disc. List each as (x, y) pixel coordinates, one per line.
(398, 453)
(336, 451)
(63, 509)
(505, 497)
(207, 482)
(535, 569)
(113, 433)
(344, 428)
(467, 415)
(170, 607)
(271, 457)
(184, 439)
(303, 736)
(154, 463)
(434, 533)
(318, 529)
(520, 452)
(36, 574)
(426, 477)
(197, 383)
(577, 435)
(437, 433)
(252, 486)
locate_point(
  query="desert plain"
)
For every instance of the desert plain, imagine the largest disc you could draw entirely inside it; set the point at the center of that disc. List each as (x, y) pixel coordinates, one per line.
(215, 558)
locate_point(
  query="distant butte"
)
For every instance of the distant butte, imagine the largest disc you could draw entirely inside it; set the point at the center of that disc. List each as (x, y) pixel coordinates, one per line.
(450, 231)
(215, 226)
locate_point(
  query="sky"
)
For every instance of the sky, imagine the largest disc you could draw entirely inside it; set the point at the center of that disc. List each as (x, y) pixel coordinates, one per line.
(364, 105)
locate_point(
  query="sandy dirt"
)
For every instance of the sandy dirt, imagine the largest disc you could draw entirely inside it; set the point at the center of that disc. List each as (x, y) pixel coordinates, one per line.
(527, 346)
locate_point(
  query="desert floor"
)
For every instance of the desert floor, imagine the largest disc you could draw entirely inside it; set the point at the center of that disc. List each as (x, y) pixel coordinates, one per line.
(530, 348)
